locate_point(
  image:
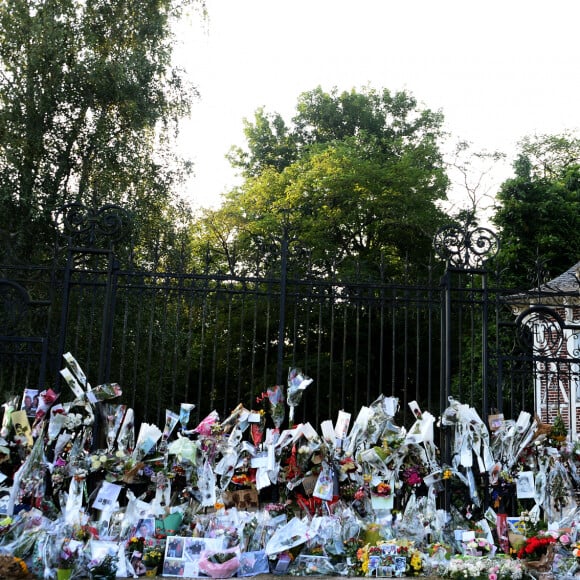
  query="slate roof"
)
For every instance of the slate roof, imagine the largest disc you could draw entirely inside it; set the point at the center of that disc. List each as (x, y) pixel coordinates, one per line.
(563, 289)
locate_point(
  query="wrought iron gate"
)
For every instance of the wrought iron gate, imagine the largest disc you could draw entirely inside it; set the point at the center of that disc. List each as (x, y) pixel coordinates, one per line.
(215, 339)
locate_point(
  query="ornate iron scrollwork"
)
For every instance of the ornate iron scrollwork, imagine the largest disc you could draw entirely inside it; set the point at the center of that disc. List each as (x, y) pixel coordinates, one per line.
(541, 330)
(464, 247)
(87, 225)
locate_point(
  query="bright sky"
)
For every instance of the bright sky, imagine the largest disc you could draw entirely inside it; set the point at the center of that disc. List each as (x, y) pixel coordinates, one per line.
(497, 69)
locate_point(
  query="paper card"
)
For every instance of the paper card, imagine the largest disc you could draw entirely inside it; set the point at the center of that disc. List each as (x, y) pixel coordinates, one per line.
(260, 460)
(324, 485)
(342, 424)
(422, 429)
(309, 483)
(415, 409)
(328, 433)
(254, 417)
(107, 496)
(525, 485)
(308, 431)
(22, 427)
(468, 536)
(516, 525)
(262, 478)
(495, 421)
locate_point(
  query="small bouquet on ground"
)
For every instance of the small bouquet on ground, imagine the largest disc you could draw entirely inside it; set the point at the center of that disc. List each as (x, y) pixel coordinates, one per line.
(537, 552)
(222, 564)
(105, 568)
(135, 544)
(66, 555)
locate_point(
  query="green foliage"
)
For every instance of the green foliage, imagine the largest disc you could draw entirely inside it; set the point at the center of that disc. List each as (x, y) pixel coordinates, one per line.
(88, 103)
(539, 210)
(353, 182)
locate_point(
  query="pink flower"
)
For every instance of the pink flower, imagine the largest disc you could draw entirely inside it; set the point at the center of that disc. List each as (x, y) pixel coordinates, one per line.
(565, 539)
(493, 576)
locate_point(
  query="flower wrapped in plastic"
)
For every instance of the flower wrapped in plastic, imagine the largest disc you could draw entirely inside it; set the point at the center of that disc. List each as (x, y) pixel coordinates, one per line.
(277, 404)
(220, 563)
(297, 383)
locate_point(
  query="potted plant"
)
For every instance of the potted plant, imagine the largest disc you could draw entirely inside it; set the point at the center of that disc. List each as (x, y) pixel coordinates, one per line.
(559, 431)
(65, 560)
(152, 559)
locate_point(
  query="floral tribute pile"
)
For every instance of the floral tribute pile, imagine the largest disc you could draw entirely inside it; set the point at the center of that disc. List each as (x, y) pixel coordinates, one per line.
(86, 494)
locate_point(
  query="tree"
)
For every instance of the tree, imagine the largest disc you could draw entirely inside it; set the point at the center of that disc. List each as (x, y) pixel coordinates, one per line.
(354, 179)
(538, 210)
(89, 101)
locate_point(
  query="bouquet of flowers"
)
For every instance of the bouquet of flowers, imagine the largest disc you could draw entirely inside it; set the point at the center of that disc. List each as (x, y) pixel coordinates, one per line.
(135, 544)
(277, 401)
(66, 556)
(536, 547)
(297, 383)
(382, 489)
(105, 569)
(537, 552)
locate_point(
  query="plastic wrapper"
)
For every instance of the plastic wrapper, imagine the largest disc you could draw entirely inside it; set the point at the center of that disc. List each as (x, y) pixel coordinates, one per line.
(204, 428)
(22, 430)
(146, 440)
(113, 416)
(171, 420)
(74, 503)
(74, 367)
(104, 392)
(297, 384)
(184, 412)
(46, 400)
(287, 537)
(206, 483)
(184, 448)
(309, 565)
(253, 563)
(29, 471)
(277, 400)
(126, 437)
(357, 433)
(56, 422)
(257, 427)
(209, 563)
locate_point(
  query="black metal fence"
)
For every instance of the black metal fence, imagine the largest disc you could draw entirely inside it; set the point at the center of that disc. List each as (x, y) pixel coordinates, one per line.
(216, 340)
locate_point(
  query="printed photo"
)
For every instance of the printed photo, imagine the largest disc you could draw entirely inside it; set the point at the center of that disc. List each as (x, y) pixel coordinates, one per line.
(145, 528)
(30, 402)
(525, 486)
